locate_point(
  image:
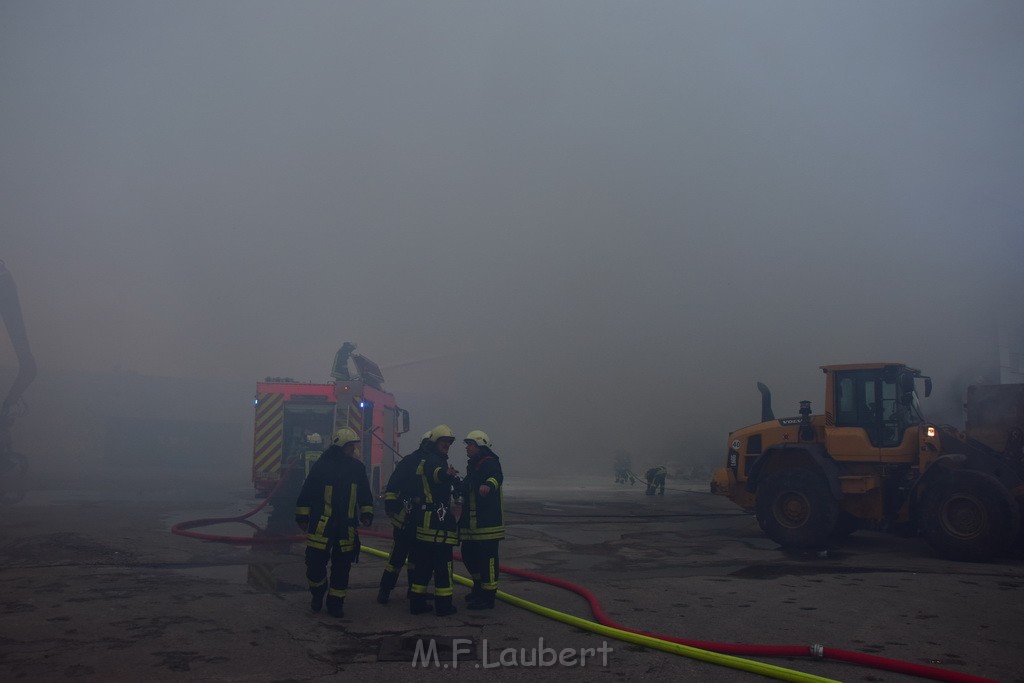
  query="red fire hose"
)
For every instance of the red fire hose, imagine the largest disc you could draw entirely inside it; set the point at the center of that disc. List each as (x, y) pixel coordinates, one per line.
(738, 649)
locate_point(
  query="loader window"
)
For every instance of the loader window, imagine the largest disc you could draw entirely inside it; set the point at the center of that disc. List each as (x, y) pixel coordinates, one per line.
(902, 409)
(868, 399)
(855, 402)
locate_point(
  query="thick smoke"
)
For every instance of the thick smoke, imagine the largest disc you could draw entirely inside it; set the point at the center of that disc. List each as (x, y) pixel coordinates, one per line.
(581, 227)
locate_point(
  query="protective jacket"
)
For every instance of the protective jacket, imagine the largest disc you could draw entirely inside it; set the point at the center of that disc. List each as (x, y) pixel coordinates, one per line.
(400, 494)
(435, 522)
(333, 497)
(482, 516)
(656, 474)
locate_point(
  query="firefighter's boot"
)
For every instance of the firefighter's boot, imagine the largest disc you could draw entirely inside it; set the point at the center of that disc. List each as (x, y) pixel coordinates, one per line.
(485, 601)
(387, 584)
(475, 593)
(316, 600)
(443, 606)
(409, 593)
(418, 604)
(335, 606)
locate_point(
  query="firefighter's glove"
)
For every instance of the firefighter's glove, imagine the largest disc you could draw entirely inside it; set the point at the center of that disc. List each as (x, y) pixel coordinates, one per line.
(366, 519)
(302, 521)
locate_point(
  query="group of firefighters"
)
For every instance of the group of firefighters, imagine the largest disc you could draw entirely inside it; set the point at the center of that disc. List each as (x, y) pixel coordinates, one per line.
(336, 498)
(654, 479)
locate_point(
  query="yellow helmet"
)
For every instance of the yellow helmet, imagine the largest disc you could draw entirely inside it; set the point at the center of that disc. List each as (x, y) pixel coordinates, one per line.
(479, 438)
(345, 436)
(441, 432)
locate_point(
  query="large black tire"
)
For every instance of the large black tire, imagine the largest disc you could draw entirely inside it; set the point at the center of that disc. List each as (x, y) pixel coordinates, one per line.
(796, 509)
(969, 515)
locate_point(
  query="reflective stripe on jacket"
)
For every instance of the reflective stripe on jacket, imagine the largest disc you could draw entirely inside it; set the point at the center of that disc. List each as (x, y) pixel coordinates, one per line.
(335, 493)
(482, 517)
(435, 521)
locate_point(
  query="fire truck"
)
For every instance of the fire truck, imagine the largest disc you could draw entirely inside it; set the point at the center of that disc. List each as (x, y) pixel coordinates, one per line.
(295, 421)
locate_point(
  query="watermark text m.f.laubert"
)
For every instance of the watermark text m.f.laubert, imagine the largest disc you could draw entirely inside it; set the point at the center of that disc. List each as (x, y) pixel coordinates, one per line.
(426, 655)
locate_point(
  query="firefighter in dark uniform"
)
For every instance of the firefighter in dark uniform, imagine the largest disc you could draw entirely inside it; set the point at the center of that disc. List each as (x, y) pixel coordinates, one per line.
(656, 480)
(436, 527)
(334, 500)
(481, 525)
(399, 498)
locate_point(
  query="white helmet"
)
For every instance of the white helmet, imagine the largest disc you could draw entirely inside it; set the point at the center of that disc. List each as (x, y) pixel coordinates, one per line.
(479, 438)
(441, 432)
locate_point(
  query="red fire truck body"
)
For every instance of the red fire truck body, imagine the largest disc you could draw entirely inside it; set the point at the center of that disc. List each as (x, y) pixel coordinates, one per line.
(295, 421)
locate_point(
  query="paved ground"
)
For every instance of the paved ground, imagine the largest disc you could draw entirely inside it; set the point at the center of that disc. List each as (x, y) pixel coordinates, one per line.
(94, 586)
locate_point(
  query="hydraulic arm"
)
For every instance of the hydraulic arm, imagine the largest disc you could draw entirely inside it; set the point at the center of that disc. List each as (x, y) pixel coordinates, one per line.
(10, 309)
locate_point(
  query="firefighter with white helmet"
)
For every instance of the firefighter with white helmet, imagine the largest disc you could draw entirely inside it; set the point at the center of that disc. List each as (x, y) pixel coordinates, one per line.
(436, 527)
(399, 499)
(481, 525)
(334, 500)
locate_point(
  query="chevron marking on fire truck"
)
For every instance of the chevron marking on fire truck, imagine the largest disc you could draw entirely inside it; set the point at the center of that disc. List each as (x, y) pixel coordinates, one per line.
(355, 417)
(269, 432)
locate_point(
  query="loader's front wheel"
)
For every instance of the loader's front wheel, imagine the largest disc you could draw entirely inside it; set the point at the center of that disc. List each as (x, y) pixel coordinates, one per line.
(796, 509)
(969, 515)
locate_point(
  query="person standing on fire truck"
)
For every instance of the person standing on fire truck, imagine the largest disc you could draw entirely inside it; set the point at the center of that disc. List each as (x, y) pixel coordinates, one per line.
(481, 525)
(399, 499)
(437, 530)
(334, 500)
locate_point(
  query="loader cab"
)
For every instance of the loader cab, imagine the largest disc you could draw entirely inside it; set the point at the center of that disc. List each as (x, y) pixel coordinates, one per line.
(878, 402)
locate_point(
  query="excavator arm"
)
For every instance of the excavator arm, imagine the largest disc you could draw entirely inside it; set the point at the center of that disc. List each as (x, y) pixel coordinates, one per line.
(10, 309)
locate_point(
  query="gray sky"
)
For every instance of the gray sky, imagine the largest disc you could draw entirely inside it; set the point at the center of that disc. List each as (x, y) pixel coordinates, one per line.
(596, 223)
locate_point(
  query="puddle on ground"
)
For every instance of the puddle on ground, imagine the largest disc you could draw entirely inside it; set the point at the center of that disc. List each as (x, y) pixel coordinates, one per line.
(425, 648)
(263, 576)
(778, 571)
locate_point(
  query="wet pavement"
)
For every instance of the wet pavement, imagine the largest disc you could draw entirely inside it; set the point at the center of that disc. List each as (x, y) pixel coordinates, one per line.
(94, 586)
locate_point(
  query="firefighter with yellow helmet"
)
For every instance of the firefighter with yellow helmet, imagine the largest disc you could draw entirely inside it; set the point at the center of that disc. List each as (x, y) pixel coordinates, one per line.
(436, 527)
(399, 498)
(482, 524)
(334, 500)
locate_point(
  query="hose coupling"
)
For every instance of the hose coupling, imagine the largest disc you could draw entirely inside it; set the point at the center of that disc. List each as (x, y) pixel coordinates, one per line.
(818, 650)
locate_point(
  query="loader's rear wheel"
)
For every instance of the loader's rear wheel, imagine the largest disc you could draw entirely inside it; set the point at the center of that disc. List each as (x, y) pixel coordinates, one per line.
(796, 509)
(969, 515)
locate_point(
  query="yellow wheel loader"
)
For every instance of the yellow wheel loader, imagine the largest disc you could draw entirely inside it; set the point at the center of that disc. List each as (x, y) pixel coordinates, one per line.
(872, 461)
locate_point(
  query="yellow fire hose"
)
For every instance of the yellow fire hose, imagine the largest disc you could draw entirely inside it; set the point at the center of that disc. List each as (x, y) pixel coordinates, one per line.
(730, 661)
